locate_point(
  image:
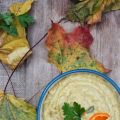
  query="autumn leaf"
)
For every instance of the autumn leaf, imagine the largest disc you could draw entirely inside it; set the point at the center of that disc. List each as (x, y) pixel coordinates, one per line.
(90, 11)
(26, 20)
(17, 10)
(113, 6)
(13, 42)
(12, 108)
(12, 48)
(81, 35)
(21, 8)
(68, 51)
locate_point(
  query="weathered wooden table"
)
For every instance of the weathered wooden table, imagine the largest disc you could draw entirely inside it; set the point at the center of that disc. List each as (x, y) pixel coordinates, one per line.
(36, 71)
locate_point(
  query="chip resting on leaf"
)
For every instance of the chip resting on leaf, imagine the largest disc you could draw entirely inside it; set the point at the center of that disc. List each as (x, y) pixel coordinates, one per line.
(68, 51)
(21, 8)
(12, 108)
(90, 11)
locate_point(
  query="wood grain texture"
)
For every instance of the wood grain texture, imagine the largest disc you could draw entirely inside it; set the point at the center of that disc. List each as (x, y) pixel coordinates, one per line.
(36, 71)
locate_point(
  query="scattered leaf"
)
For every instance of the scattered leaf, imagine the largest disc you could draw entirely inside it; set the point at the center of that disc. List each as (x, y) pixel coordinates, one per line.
(74, 1)
(21, 8)
(70, 51)
(82, 35)
(9, 29)
(7, 18)
(113, 6)
(90, 11)
(13, 43)
(25, 20)
(6, 24)
(12, 108)
(14, 48)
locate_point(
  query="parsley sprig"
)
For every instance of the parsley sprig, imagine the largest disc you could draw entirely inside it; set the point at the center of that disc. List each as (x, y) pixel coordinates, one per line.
(74, 112)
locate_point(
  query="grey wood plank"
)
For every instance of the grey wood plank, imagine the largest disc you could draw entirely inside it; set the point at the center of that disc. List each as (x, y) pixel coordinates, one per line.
(37, 72)
(38, 68)
(106, 46)
(18, 78)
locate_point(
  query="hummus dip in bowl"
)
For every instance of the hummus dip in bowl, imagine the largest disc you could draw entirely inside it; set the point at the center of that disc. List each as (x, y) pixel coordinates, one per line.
(86, 87)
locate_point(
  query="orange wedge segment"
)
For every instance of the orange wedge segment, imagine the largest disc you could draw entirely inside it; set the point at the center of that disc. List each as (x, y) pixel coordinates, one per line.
(100, 116)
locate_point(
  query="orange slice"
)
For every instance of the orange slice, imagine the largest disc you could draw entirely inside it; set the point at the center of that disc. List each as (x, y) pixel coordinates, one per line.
(100, 116)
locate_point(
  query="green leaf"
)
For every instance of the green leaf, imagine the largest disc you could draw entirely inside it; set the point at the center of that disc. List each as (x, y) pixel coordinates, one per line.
(26, 20)
(7, 18)
(12, 108)
(74, 112)
(9, 29)
(83, 14)
(90, 11)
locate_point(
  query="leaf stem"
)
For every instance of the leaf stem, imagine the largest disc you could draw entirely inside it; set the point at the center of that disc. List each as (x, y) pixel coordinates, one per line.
(9, 79)
(34, 95)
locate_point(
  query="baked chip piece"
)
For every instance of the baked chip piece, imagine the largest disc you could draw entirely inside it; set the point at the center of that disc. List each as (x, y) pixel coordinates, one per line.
(12, 108)
(69, 51)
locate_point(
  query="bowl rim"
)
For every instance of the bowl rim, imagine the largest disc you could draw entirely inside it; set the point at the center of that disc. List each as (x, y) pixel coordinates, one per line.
(60, 76)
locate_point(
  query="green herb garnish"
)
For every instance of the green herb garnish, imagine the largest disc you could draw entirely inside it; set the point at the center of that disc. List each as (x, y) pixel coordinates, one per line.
(74, 112)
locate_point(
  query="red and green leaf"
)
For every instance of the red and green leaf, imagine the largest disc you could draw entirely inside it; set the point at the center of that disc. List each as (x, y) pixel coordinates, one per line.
(68, 51)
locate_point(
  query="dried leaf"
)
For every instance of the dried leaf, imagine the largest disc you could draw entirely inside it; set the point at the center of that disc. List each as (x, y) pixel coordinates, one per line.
(12, 108)
(82, 35)
(113, 6)
(21, 8)
(96, 17)
(15, 45)
(90, 11)
(70, 51)
(13, 48)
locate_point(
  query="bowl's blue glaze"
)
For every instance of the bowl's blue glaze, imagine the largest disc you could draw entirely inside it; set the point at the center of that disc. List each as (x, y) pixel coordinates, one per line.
(59, 77)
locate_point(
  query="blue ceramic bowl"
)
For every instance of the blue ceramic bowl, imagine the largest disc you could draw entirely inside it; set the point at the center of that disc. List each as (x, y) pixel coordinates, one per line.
(61, 76)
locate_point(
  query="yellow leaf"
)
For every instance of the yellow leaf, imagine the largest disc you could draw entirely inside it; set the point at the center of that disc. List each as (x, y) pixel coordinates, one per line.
(97, 16)
(15, 109)
(20, 8)
(12, 49)
(69, 51)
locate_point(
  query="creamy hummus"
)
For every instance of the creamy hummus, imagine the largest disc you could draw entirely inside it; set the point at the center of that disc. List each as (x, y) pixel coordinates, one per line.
(85, 89)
